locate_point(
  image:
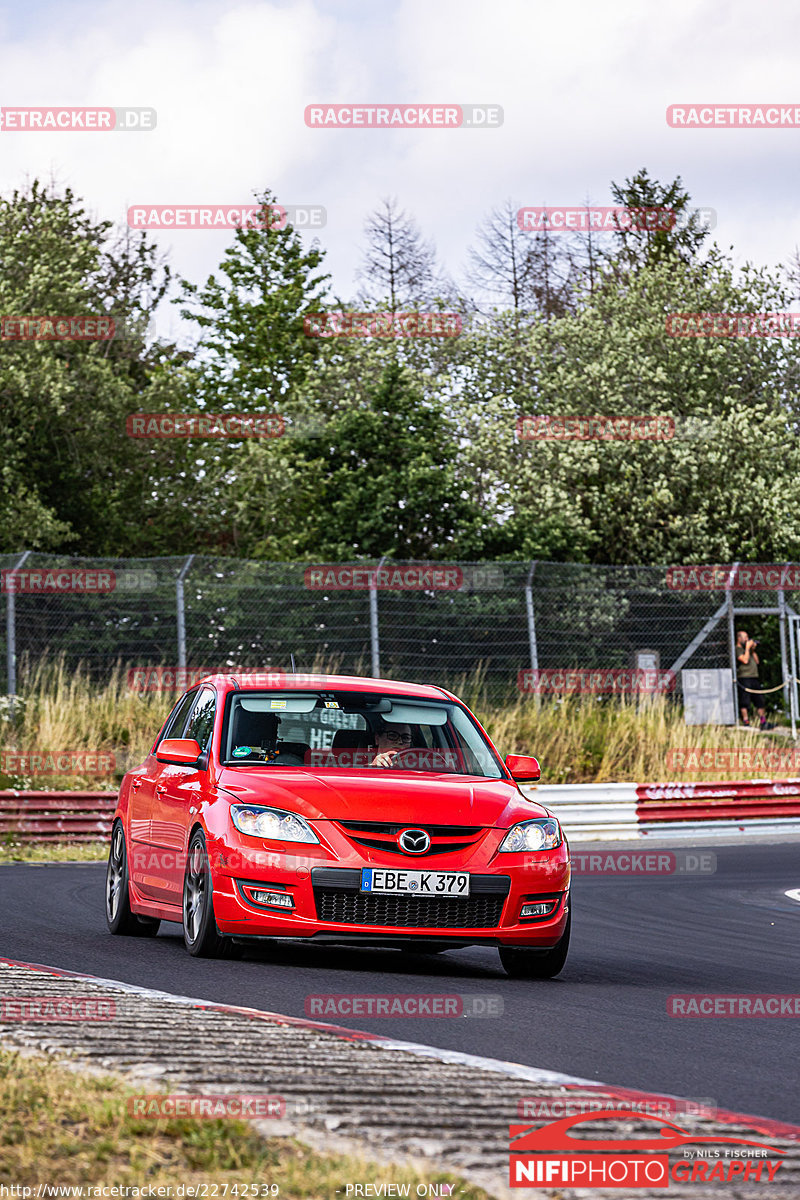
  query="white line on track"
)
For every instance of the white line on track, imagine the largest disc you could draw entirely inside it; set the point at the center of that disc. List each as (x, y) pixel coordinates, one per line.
(794, 894)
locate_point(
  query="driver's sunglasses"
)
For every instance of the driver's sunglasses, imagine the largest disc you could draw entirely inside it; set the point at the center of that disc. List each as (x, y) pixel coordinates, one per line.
(394, 736)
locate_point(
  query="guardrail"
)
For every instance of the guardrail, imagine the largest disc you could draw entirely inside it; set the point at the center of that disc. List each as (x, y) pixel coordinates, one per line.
(56, 816)
(616, 811)
(588, 811)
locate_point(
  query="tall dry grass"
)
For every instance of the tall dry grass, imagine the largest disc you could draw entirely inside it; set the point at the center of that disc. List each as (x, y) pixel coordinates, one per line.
(577, 739)
(60, 710)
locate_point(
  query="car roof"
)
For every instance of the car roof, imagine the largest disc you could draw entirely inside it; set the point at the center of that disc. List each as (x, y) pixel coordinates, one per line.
(285, 681)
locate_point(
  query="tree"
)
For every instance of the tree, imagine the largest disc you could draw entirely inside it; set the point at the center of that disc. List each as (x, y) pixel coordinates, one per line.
(380, 481)
(254, 351)
(518, 268)
(732, 495)
(503, 266)
(254, 355)
(642, 244)
(398, 266)
(69, 474)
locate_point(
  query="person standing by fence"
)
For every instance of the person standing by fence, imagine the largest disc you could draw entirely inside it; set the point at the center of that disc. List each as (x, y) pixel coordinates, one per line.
(748, 684)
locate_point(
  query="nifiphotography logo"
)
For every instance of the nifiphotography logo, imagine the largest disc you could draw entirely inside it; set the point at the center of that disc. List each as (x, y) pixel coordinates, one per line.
(548, 1156)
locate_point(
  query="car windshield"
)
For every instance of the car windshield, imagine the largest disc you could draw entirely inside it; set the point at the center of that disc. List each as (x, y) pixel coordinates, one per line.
(346, 730)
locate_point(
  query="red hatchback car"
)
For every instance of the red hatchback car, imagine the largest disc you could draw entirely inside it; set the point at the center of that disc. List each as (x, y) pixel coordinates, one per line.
(337, 809)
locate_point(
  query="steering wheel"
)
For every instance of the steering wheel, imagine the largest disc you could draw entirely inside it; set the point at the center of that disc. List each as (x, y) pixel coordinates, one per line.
(287, 759)
(421, 758)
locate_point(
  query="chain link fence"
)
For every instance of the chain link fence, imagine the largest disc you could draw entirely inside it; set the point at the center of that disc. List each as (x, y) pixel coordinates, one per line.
(420, 622)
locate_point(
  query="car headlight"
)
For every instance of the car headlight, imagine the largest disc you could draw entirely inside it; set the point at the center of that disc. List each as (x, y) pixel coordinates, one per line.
(273, 823)
(544, 834)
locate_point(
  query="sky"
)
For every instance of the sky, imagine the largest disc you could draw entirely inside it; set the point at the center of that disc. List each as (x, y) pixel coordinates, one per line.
(583, 87)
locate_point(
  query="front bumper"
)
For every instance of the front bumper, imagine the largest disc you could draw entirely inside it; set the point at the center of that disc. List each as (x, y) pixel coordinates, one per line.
(329, 905)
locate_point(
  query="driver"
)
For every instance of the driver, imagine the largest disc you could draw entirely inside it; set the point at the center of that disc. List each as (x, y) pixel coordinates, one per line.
(388, 741)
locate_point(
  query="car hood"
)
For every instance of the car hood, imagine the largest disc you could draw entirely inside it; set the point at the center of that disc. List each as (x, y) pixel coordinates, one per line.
(354, 796)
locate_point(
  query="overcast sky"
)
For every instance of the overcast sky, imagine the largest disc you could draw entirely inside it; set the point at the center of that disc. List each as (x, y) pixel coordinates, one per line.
(584, 88)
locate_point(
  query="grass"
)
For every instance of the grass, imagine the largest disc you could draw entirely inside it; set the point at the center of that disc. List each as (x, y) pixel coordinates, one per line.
(577, 739)
(591, 739)
(60, 710)
(14, 851)
(58, 1126)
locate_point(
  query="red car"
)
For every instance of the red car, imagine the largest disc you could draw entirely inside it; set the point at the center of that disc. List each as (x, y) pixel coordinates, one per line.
(337, 809)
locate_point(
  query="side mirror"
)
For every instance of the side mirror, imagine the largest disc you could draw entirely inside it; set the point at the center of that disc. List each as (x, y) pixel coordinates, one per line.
(523, 767)
(185, 751)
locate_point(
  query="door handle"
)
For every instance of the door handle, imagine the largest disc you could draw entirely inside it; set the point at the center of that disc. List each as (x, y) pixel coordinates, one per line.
(135, 784)
(160, 788)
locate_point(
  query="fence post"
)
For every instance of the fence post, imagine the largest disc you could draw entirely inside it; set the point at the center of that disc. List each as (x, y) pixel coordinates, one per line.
(534, 650)
(784, 656)
(792, 621)
(732, 638)
(11, 638)
(373, 622)
(181, 612)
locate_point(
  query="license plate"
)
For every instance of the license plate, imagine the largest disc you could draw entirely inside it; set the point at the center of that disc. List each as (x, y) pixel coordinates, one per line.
(415, 883)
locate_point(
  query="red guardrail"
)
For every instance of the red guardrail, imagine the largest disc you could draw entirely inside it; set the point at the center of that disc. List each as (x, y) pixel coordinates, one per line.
(86, 816)
(717, 801)
(57, 816)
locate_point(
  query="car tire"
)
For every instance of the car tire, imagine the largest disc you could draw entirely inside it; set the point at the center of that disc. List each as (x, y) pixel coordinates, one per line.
(201, 936)
(521, 963)
(119, 917)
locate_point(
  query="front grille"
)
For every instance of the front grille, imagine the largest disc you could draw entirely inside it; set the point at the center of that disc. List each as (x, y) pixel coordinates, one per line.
(450, 912)
(445, 839)
(394, 828)
(393, 848)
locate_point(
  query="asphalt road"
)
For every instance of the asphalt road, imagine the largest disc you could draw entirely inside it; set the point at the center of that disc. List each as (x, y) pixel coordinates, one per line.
(635, 942)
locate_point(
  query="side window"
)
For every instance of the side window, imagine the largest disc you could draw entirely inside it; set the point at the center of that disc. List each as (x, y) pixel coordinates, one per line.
(174, 727)
(201, 722)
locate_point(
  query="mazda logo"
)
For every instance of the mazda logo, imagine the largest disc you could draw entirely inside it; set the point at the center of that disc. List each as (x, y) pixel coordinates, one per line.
(413, 841)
